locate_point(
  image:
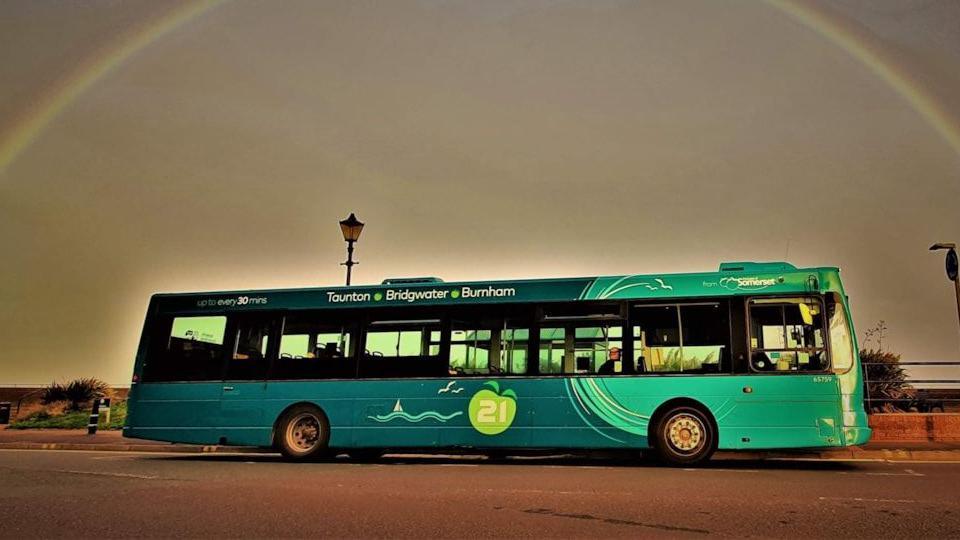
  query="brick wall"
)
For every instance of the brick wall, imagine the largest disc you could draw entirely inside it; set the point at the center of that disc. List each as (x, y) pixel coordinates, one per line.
(915, 427)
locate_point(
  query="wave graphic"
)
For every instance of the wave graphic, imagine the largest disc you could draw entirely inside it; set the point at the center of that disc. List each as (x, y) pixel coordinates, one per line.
(414, 418)
(595, 401)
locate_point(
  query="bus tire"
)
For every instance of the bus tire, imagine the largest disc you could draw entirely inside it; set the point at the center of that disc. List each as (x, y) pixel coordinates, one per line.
(303, 432)
(685, 435)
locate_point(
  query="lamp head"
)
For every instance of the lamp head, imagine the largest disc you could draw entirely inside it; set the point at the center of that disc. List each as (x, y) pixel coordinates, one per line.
(943, 245)
(351, 228)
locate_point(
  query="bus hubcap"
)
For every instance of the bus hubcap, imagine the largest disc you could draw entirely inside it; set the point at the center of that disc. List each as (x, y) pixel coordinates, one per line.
(304, 432)
(685, 432)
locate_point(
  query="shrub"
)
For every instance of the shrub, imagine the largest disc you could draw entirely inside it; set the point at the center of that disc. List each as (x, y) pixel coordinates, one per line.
(54, 393)
(77, 392)
(887, 386)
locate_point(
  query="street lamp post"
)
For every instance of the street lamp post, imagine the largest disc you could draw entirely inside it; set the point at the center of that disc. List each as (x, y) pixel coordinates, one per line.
(351, 228)
(951, 264)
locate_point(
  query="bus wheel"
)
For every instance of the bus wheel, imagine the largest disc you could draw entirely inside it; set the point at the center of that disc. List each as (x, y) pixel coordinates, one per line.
(303, 433)
(685, 436)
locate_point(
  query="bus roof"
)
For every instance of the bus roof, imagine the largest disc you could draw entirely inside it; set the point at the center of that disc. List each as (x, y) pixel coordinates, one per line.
(732, 279)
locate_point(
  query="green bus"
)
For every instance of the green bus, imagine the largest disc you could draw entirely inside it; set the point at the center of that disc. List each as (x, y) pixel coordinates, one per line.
(753, 356)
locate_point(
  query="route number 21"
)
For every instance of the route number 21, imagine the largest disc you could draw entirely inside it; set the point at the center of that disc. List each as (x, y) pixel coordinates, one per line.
(492, 411)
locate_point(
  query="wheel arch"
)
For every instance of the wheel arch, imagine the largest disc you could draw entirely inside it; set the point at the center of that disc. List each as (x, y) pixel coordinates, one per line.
(678, 402)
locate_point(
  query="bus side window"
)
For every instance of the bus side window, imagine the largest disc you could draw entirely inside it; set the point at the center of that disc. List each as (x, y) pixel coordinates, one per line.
(600, 348)
(250, 357)
(582, 339)
(513, 351)
(402, 348)
(553, 350)
(191, 349)
(682, 338)
(487, 347)
(706, 337)
(656, 339)
(470, 350)
(316, 346)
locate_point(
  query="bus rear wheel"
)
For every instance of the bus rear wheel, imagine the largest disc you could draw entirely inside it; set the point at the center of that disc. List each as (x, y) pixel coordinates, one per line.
(303, 433)
(685, 436)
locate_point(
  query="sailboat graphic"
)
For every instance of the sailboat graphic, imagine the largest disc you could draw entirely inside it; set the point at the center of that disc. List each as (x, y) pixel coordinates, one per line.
(399, 414)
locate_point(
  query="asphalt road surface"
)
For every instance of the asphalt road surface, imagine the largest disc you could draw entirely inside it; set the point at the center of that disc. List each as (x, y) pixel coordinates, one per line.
(110, 494)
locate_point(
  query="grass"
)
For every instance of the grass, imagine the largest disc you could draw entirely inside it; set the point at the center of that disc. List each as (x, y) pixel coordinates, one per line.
(71, 419)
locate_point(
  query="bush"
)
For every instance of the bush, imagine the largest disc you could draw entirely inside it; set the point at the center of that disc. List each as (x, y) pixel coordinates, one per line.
(887, 386)
(77, 392)
(54, 393)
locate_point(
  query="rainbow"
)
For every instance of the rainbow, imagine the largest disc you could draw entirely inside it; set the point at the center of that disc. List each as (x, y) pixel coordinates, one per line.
(28, 127)
(857, 42)
(54, 100)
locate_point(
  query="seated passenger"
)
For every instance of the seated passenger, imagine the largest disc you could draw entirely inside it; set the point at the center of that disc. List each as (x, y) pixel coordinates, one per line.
(247, 353)
(641, 364)
(609, 367)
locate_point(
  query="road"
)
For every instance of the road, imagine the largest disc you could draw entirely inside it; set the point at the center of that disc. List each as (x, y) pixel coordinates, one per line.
(112, 494)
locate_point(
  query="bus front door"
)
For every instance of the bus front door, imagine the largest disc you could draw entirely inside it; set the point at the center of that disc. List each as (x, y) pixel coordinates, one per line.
(244, 391)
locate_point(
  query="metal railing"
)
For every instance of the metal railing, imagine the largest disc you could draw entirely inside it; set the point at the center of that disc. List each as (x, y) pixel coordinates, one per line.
(912, 381)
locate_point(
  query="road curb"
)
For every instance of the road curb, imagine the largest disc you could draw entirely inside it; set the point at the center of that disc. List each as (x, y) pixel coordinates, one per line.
(180, 449)
(944, 456)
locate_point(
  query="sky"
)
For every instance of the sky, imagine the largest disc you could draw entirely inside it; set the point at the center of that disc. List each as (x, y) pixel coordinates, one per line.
(151, 146)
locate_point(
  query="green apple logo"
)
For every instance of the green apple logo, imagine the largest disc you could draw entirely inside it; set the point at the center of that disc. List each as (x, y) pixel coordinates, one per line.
(492, 412)
(378, 296)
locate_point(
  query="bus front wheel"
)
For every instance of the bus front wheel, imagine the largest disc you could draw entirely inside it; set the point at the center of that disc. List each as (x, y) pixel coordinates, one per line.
(685, 436)
(303, 432)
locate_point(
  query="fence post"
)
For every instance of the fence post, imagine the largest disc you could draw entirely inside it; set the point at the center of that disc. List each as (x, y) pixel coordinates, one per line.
(866, 386)
(94, 418)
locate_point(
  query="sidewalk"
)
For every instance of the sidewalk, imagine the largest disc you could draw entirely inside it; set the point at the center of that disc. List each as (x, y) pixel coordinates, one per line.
(68, 439)
(104, 440)
(947, 452)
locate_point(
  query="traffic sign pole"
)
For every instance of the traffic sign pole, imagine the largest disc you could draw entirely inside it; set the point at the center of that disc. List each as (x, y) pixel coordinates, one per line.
(956, 285)
(953, 273)
(952, 266)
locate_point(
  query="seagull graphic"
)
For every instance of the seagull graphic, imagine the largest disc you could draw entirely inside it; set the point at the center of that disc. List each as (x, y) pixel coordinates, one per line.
(457, 390)
(446, 389)
(663, 285)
